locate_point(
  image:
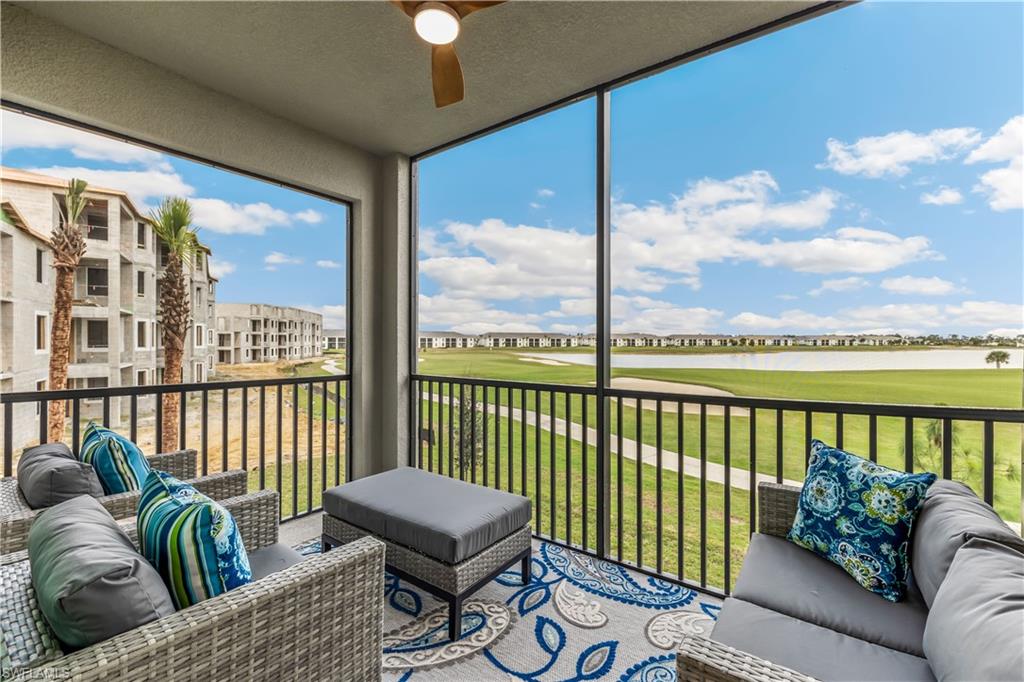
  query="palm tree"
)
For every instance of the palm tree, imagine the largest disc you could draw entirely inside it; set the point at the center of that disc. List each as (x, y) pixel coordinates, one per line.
(172, 223)
(999, 357)
(68, 246)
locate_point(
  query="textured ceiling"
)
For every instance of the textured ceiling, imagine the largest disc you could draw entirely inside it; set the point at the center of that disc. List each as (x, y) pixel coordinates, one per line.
(357, 71)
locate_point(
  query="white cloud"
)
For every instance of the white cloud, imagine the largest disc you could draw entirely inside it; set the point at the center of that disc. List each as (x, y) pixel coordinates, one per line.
(141, 185)
(471, 316)
(534, 205)
(308, 216)
(894, 153)
(26, 132)
(328, 264)
(649, 316)
(987, 314)
(429, 244)
(920, 286)
(850, 249)
(655, 246)
(334, 315)
(275, 258)
(1010, 332)
(518, 261)
(1004, 187)
(943, 196)
(904, 318)
(545, 193)
(839, 285)
(221, 268)
(223, 217)
(1006, 145)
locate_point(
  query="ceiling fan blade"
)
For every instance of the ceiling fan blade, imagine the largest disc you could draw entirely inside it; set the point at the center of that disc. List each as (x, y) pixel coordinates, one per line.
(466, 7)
(446, 73)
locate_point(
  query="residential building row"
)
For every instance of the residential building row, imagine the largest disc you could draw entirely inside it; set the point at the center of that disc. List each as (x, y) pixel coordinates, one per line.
(450, 339)
(115, 328)
(259, 332)
(334, 339)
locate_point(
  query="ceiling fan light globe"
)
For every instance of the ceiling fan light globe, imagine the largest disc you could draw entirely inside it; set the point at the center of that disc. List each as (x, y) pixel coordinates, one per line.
(436, 23)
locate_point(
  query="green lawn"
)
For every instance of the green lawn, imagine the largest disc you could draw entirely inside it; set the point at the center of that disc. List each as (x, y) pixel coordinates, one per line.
(564, 519)
(983, 387)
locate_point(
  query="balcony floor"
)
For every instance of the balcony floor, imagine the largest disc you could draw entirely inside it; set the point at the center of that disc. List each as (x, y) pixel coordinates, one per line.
(578, 619)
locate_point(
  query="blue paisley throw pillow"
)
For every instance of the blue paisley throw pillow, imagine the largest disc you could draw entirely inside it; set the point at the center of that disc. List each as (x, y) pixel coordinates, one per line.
(858, 515)
(119, 463)
(192, 541)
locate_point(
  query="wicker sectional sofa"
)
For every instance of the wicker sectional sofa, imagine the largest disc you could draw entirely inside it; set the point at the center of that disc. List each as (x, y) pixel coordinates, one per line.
(321, 618)
(795, 616)
(16, 516)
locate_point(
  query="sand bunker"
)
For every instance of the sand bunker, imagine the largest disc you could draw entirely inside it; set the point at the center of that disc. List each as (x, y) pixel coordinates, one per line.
(545, 361)
(633, 384)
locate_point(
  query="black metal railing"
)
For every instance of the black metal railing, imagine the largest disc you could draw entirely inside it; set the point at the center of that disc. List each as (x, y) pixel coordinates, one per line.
(675, 496)
(290, 434)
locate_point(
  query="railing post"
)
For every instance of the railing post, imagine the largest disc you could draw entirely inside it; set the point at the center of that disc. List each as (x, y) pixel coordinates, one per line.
(8, 439)
(603, 336)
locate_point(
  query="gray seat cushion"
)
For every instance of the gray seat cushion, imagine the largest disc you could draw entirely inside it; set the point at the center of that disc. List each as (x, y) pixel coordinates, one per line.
(812, 650)
(49, 474)
(441, 517)
(90, 581)
(780, 575)
(951, 515)
(271, 559)
(975, 629)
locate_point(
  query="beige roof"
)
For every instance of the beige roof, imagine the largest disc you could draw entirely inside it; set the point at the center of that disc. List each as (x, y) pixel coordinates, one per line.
(19, 222)
(8, 174)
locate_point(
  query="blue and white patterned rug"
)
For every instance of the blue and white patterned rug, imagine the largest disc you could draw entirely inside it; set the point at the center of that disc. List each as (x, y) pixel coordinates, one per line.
(579, 619)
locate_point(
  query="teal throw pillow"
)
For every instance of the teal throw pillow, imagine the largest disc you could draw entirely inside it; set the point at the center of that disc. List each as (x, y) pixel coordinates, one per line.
(192, 541)
(118, 462)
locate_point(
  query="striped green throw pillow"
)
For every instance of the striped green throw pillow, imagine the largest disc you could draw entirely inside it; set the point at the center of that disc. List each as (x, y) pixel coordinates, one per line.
(192, 541)
(118, 462)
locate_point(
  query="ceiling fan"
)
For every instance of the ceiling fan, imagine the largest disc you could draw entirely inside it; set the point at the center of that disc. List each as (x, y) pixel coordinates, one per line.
(438, 23)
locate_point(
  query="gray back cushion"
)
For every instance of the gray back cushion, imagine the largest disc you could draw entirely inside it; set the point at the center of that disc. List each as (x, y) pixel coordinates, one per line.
(90, 581)
(49, 474)
(975, 629)
(951, 515)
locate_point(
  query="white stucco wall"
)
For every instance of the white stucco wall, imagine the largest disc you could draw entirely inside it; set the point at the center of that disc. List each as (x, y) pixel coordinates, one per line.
(50, 67)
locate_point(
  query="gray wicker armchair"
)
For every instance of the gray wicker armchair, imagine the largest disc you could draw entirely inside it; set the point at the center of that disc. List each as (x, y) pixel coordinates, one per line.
(700, 658)
(16, 516)
(317, 620)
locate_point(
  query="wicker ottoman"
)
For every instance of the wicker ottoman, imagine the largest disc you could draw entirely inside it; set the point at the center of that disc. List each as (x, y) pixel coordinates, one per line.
(447, 537)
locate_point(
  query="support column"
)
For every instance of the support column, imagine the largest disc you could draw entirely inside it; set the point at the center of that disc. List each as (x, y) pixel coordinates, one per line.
(380, 323)
(603, 336)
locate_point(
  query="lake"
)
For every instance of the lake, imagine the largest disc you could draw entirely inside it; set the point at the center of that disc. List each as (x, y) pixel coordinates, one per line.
(800, 361)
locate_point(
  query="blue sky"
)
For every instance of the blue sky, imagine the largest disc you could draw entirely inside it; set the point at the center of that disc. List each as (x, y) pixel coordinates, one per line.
(269, 244)
(859, 172)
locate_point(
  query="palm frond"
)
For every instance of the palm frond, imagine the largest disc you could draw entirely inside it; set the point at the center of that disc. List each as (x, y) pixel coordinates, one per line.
(172, 223)
(74, 200)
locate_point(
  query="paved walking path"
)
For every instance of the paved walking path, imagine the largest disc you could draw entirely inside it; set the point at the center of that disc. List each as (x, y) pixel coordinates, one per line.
(738, 478)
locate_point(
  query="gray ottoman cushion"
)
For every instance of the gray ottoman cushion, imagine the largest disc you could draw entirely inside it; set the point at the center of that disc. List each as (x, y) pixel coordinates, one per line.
(812, 650)
(951, 515)
(90, 581)
(50, 474)
(975, 629)
(781, 576)
(441, 517)
(271, 559)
